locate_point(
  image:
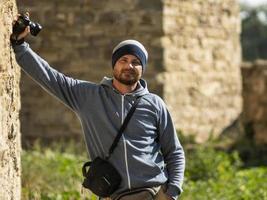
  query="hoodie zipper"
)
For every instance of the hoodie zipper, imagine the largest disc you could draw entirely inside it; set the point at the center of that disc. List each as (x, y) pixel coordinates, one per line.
(124, 143)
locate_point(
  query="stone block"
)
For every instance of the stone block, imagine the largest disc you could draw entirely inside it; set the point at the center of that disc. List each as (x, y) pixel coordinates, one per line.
(193, 46)
(9, 108)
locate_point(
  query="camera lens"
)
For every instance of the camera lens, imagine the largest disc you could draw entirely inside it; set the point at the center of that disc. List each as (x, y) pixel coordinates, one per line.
(24, 21)
(35, 28)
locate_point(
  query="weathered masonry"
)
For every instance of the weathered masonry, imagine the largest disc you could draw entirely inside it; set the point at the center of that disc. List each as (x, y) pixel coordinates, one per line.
(9, 109)
(194, 58)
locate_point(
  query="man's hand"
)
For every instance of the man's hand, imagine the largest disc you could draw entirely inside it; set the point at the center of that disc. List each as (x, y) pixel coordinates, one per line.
(19, 39)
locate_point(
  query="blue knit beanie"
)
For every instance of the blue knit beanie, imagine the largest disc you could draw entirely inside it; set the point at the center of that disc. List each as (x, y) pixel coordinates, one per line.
(131, 47)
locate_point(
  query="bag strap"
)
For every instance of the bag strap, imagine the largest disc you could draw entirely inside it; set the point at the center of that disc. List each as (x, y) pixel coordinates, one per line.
(85, 165)
(123, 126)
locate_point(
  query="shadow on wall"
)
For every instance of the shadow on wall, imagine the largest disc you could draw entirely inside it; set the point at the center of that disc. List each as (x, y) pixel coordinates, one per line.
(252, 123)
(248, 132)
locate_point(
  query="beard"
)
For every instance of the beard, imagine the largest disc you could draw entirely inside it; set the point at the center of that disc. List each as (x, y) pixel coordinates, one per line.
(127, 77)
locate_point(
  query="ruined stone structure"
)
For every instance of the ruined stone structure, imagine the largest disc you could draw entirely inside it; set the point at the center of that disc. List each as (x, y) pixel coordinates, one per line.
(255, 99)
(194, 58)
(202, 79)
(9, 109)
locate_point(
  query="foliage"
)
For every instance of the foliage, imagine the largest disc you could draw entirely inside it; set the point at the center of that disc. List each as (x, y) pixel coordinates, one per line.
(216, 175)
(251, 153)
(50, 174)
(254, 32)
(244, 184)
(204, 163)
(211, 174)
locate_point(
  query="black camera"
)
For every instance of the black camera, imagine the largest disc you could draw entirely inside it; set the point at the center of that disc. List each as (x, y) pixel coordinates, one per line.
(24, 21)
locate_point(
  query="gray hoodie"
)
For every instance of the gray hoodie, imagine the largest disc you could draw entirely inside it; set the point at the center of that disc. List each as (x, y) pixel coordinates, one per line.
(149, 152)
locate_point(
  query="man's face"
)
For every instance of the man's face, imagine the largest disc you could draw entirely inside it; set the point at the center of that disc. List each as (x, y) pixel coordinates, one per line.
(127, 70)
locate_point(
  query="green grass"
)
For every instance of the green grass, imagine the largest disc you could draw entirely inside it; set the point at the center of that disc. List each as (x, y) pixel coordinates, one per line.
(216, 175)
(54, 173)
(50, 174)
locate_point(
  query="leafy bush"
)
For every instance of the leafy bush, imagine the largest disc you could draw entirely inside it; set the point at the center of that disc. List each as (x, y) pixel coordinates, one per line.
(216, 175)
(55, 174)
(243, 185)
(51, 175)
(253, 35)
(204, 163)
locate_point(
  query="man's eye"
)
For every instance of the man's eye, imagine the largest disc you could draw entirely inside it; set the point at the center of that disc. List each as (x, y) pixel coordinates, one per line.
(123, 61)
(136, 63)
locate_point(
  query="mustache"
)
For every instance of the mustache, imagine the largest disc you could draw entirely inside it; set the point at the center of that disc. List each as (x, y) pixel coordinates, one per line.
(131, 71)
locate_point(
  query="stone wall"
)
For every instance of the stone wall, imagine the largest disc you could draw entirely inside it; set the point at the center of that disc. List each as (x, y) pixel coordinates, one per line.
(77, 39)
(202, 82)
(194, 57)
(255, 100)
(9, 109)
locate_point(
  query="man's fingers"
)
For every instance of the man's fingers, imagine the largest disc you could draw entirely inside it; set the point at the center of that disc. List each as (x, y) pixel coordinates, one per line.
(15, 19)
(18, 15)
(24, 33)
(27, 29)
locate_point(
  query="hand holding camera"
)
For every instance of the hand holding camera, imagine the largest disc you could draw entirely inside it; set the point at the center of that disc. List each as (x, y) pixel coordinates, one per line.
(22, 26)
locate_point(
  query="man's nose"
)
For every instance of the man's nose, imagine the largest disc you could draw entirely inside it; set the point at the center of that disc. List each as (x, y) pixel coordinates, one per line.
(130, 65)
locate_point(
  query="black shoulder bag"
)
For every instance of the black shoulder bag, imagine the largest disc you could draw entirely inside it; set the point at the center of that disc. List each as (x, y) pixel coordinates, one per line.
(102, 178)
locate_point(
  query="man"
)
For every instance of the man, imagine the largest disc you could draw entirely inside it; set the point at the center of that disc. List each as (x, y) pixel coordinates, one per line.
(149, 154)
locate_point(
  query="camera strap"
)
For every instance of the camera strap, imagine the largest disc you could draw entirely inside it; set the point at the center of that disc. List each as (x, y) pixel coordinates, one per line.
(123, 126)
(103, 178)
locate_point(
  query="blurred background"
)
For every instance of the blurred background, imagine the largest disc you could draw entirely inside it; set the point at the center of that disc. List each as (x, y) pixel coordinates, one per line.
(207, 60)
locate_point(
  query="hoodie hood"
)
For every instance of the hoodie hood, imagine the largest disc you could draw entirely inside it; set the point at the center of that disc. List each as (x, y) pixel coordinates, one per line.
(140, 91)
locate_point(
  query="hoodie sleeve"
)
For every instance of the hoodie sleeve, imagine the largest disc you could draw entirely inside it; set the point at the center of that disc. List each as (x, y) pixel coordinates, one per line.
(66, 89)
(172, 151)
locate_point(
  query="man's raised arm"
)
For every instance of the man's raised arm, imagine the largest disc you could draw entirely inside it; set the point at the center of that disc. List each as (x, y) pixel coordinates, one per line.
(67, 89)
